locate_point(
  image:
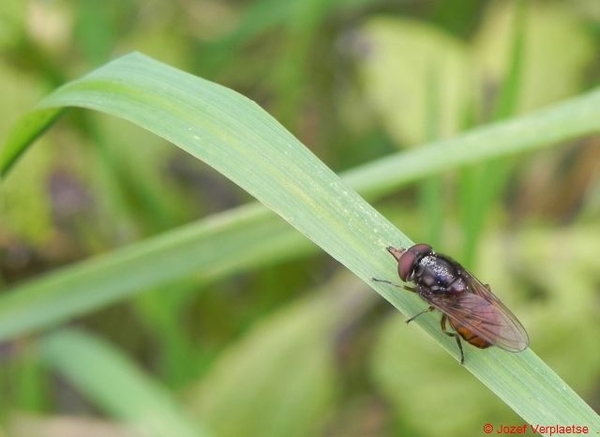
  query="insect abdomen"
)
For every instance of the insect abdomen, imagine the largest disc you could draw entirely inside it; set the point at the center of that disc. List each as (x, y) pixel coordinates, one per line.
(468, 336)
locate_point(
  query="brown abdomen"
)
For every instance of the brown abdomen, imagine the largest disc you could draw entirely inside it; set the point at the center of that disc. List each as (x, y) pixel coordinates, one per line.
(468, 335)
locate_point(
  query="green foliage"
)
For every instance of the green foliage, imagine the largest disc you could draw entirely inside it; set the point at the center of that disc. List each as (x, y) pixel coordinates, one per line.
(240, 140)
(264, 362)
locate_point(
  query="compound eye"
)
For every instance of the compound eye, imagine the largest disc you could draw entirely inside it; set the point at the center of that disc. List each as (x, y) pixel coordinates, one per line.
(421, 250)
(406, 264)
(410, 258)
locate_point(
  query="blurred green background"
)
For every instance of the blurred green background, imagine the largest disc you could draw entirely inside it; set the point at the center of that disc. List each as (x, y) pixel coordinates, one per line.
(296, 346)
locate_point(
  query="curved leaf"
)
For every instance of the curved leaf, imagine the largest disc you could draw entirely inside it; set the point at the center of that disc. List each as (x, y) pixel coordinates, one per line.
(236, 137)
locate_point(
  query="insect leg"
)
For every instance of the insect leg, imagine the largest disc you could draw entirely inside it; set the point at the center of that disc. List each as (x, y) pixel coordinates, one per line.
(452, 334)
(426, 310)
(404, 287)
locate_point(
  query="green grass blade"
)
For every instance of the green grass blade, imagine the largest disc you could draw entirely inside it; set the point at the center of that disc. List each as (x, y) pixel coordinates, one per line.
(247, 236)
(100, 281)
(566, 121)
(116, 384)
(233, 135)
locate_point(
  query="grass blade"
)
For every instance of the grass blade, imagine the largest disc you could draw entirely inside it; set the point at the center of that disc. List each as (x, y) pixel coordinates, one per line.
(115, 384)
(103, 280)
(236, 137)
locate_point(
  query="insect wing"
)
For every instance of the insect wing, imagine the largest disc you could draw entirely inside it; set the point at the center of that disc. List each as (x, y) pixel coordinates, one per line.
(482, 313)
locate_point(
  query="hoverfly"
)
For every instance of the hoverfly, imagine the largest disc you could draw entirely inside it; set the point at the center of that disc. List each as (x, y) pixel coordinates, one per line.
(470, 307)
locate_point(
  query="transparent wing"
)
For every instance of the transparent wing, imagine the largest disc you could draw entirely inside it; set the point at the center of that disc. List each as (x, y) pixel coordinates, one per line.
(482, 313)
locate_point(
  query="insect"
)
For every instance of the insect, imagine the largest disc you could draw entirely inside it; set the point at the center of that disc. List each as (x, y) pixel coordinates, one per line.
(467, 305)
